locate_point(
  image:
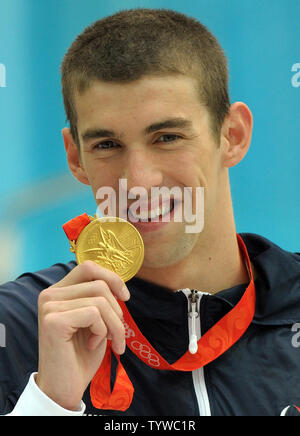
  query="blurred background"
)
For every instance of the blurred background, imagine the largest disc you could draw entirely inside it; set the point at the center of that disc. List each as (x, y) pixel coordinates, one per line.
(37, 193)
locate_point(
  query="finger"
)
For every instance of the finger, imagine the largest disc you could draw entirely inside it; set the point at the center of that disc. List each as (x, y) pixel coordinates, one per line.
(94, 342)
(115, 329)
(58, 305)
(102, 322)
(96, 288)
(95, 339)
(89, 271)
(63, 325)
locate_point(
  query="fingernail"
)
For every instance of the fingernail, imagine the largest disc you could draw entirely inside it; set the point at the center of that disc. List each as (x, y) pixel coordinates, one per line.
(126, 292)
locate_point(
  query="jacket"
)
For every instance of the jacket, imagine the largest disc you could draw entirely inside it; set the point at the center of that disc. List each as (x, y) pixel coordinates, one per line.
(258, 376)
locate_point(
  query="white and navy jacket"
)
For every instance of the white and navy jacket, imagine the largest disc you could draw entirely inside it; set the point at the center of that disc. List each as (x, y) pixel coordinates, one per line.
(258, 376)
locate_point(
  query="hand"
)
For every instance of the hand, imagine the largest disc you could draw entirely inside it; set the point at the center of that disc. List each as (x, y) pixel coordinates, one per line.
(76, 317)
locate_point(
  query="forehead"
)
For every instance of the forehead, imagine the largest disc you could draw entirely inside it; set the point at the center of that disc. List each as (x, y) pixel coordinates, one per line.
(144, 100)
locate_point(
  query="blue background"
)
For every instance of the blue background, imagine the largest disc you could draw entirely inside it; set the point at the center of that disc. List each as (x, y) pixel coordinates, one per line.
(37, 193)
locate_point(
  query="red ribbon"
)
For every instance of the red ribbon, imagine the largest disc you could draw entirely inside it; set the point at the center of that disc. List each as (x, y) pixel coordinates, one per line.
(74, 227)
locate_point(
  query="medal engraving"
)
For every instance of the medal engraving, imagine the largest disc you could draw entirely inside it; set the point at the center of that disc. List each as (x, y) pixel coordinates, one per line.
(114, 244)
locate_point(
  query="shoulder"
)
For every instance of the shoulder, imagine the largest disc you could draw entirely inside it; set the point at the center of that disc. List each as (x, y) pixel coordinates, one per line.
(274, 263)
(22, 294)
(259, 245)
(278, 280)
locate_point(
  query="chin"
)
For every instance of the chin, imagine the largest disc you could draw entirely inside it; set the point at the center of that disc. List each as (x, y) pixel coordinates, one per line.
(163, 255)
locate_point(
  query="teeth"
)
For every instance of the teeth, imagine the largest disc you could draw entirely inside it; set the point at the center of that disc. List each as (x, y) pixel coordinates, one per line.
(144, 215)
(165, 210)
(155, 213)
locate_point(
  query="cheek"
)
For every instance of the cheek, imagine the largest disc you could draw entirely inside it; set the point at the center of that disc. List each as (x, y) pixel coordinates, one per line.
(191, 169)
(199, 172)
(99, 172)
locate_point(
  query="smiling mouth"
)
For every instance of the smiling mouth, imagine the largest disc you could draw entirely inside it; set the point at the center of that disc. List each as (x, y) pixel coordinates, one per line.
(149, 215)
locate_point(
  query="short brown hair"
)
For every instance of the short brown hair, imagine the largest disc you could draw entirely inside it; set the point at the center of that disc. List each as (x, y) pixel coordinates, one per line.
(133, 43)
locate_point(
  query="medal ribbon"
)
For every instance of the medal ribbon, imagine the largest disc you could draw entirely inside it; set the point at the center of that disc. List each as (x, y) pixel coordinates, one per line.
(74, 227)
(211, 345)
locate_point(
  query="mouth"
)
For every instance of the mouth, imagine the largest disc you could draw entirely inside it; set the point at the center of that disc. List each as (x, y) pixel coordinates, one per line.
(156, 214)
(148, 219)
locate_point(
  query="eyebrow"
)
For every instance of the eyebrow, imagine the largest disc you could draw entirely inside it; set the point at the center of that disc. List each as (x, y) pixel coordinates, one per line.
(169, 123)
(96, 133)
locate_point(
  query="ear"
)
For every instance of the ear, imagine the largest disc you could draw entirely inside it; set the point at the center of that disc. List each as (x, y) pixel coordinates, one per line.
(236, 134)
(73, 157)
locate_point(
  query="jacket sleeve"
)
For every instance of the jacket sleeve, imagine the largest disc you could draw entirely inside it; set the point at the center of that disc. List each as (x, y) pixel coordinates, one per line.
(19, 331)
(33, 402)
(19, 350)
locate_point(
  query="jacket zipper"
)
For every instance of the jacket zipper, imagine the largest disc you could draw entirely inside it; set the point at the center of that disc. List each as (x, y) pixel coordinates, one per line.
(194, 299)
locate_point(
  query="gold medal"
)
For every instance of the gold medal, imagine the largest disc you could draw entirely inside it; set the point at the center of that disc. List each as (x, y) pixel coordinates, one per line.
(113, 243)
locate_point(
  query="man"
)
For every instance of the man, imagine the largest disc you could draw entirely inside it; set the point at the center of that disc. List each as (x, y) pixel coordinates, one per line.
(146, 94)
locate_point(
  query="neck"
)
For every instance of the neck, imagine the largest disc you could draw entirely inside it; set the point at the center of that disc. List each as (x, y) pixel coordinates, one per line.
(219, 267)
(215, 263)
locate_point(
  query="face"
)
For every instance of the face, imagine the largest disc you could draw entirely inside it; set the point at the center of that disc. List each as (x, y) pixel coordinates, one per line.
(154, 133)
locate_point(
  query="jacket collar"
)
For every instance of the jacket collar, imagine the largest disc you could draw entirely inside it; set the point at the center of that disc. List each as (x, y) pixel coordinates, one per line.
(277, 285)
(277, 288)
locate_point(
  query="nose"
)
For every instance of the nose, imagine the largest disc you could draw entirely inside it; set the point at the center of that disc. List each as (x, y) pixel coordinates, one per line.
(142, 168)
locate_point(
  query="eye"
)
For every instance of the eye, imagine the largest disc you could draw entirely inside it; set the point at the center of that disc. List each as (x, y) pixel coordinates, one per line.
(105, 145)
(168, 138)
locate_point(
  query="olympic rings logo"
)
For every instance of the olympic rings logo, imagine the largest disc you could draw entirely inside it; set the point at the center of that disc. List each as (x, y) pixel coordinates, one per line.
(145, 353)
